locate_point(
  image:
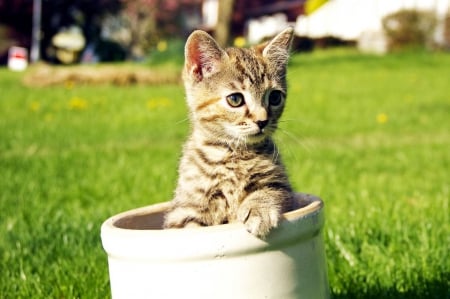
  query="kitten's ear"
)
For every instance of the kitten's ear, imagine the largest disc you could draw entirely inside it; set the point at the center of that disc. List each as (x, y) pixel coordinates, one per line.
(278, 48)
(203, 56)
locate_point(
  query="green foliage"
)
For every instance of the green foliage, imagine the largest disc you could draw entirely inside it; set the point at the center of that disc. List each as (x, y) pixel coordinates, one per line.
(367, 134)
(167, 52)
(409, 28)
(446, 31)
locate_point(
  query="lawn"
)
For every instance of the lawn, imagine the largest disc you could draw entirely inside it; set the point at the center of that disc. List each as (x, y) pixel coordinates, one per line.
(368, 134)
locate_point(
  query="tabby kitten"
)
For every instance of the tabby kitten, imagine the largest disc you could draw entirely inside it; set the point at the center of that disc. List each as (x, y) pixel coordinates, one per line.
(230, 170)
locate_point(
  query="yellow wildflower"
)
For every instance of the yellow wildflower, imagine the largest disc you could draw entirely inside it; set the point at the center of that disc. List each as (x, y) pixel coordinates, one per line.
(35, 106)
(382, 118)
(239, 42)
(157, 103)
(77, 104)
(161, 46)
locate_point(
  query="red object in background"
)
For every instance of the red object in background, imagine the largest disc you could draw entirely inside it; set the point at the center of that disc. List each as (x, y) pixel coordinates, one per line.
(17, 58)
(18, 53)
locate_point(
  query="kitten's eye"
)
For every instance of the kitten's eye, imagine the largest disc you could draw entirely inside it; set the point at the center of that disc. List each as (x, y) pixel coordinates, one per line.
(275, 97)
(235, 100)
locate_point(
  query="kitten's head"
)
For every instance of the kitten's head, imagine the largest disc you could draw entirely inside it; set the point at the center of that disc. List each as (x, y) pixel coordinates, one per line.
(235, 95)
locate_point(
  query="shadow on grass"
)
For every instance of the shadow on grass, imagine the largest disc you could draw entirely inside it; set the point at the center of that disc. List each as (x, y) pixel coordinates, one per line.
(428, 290)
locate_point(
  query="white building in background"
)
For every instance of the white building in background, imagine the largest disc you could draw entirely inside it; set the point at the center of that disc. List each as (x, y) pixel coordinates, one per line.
(265, 27)
(361, 20)
(210, 13)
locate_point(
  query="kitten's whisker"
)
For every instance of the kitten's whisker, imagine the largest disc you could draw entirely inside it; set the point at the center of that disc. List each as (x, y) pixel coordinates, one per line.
(301, 141)
(243, 142)
(305, 142)
(275, 154)
(295, 120)
(182, 121)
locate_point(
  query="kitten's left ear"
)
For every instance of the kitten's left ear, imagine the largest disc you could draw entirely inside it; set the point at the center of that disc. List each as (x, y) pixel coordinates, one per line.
(278, 48)
(203, 56)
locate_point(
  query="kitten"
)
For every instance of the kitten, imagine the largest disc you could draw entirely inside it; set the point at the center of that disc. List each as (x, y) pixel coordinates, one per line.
(230, 170)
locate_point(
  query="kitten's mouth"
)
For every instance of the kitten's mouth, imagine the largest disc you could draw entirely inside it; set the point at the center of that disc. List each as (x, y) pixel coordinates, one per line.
(260, 132)
(251, 136)
(263, 132)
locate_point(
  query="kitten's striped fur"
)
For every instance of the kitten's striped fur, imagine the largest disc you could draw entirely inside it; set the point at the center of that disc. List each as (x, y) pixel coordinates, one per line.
(230, 170)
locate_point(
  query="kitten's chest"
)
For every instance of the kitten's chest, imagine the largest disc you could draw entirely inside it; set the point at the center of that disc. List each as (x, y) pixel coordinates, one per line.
(236, 171)
(233, 178)
(211, 170)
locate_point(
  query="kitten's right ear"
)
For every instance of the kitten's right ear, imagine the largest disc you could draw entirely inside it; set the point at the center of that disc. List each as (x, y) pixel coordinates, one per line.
(203, 56)
(277, 50)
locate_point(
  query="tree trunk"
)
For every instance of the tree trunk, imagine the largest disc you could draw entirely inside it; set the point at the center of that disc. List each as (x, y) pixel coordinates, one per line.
(222, 30)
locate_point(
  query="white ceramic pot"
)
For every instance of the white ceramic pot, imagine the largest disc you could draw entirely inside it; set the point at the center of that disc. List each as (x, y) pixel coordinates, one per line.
(222, 261)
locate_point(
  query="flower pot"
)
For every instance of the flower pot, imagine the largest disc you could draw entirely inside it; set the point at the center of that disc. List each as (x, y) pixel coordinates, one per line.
(222, 261)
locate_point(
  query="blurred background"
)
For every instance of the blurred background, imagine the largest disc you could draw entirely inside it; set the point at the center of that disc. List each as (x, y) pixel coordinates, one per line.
(84, 31)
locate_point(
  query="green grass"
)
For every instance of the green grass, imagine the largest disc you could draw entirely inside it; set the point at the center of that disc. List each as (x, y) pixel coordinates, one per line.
(71, 156)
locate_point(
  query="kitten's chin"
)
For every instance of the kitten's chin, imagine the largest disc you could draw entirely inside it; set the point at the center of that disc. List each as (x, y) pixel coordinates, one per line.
(256, 138)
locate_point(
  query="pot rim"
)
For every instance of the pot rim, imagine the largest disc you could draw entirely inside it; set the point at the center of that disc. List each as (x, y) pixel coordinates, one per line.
(306, 203)
(155, 243)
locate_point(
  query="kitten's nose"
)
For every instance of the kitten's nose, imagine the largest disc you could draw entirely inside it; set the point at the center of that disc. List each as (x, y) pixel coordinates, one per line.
(262, 123)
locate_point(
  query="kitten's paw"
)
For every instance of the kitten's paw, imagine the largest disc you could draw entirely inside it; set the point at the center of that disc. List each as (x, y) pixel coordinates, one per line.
(260, 221)
(186, 223)
(179, 218)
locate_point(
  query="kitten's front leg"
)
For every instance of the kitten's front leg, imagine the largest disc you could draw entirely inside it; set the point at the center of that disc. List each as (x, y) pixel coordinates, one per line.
(202, 210)
(261, 210)
(180, 217)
